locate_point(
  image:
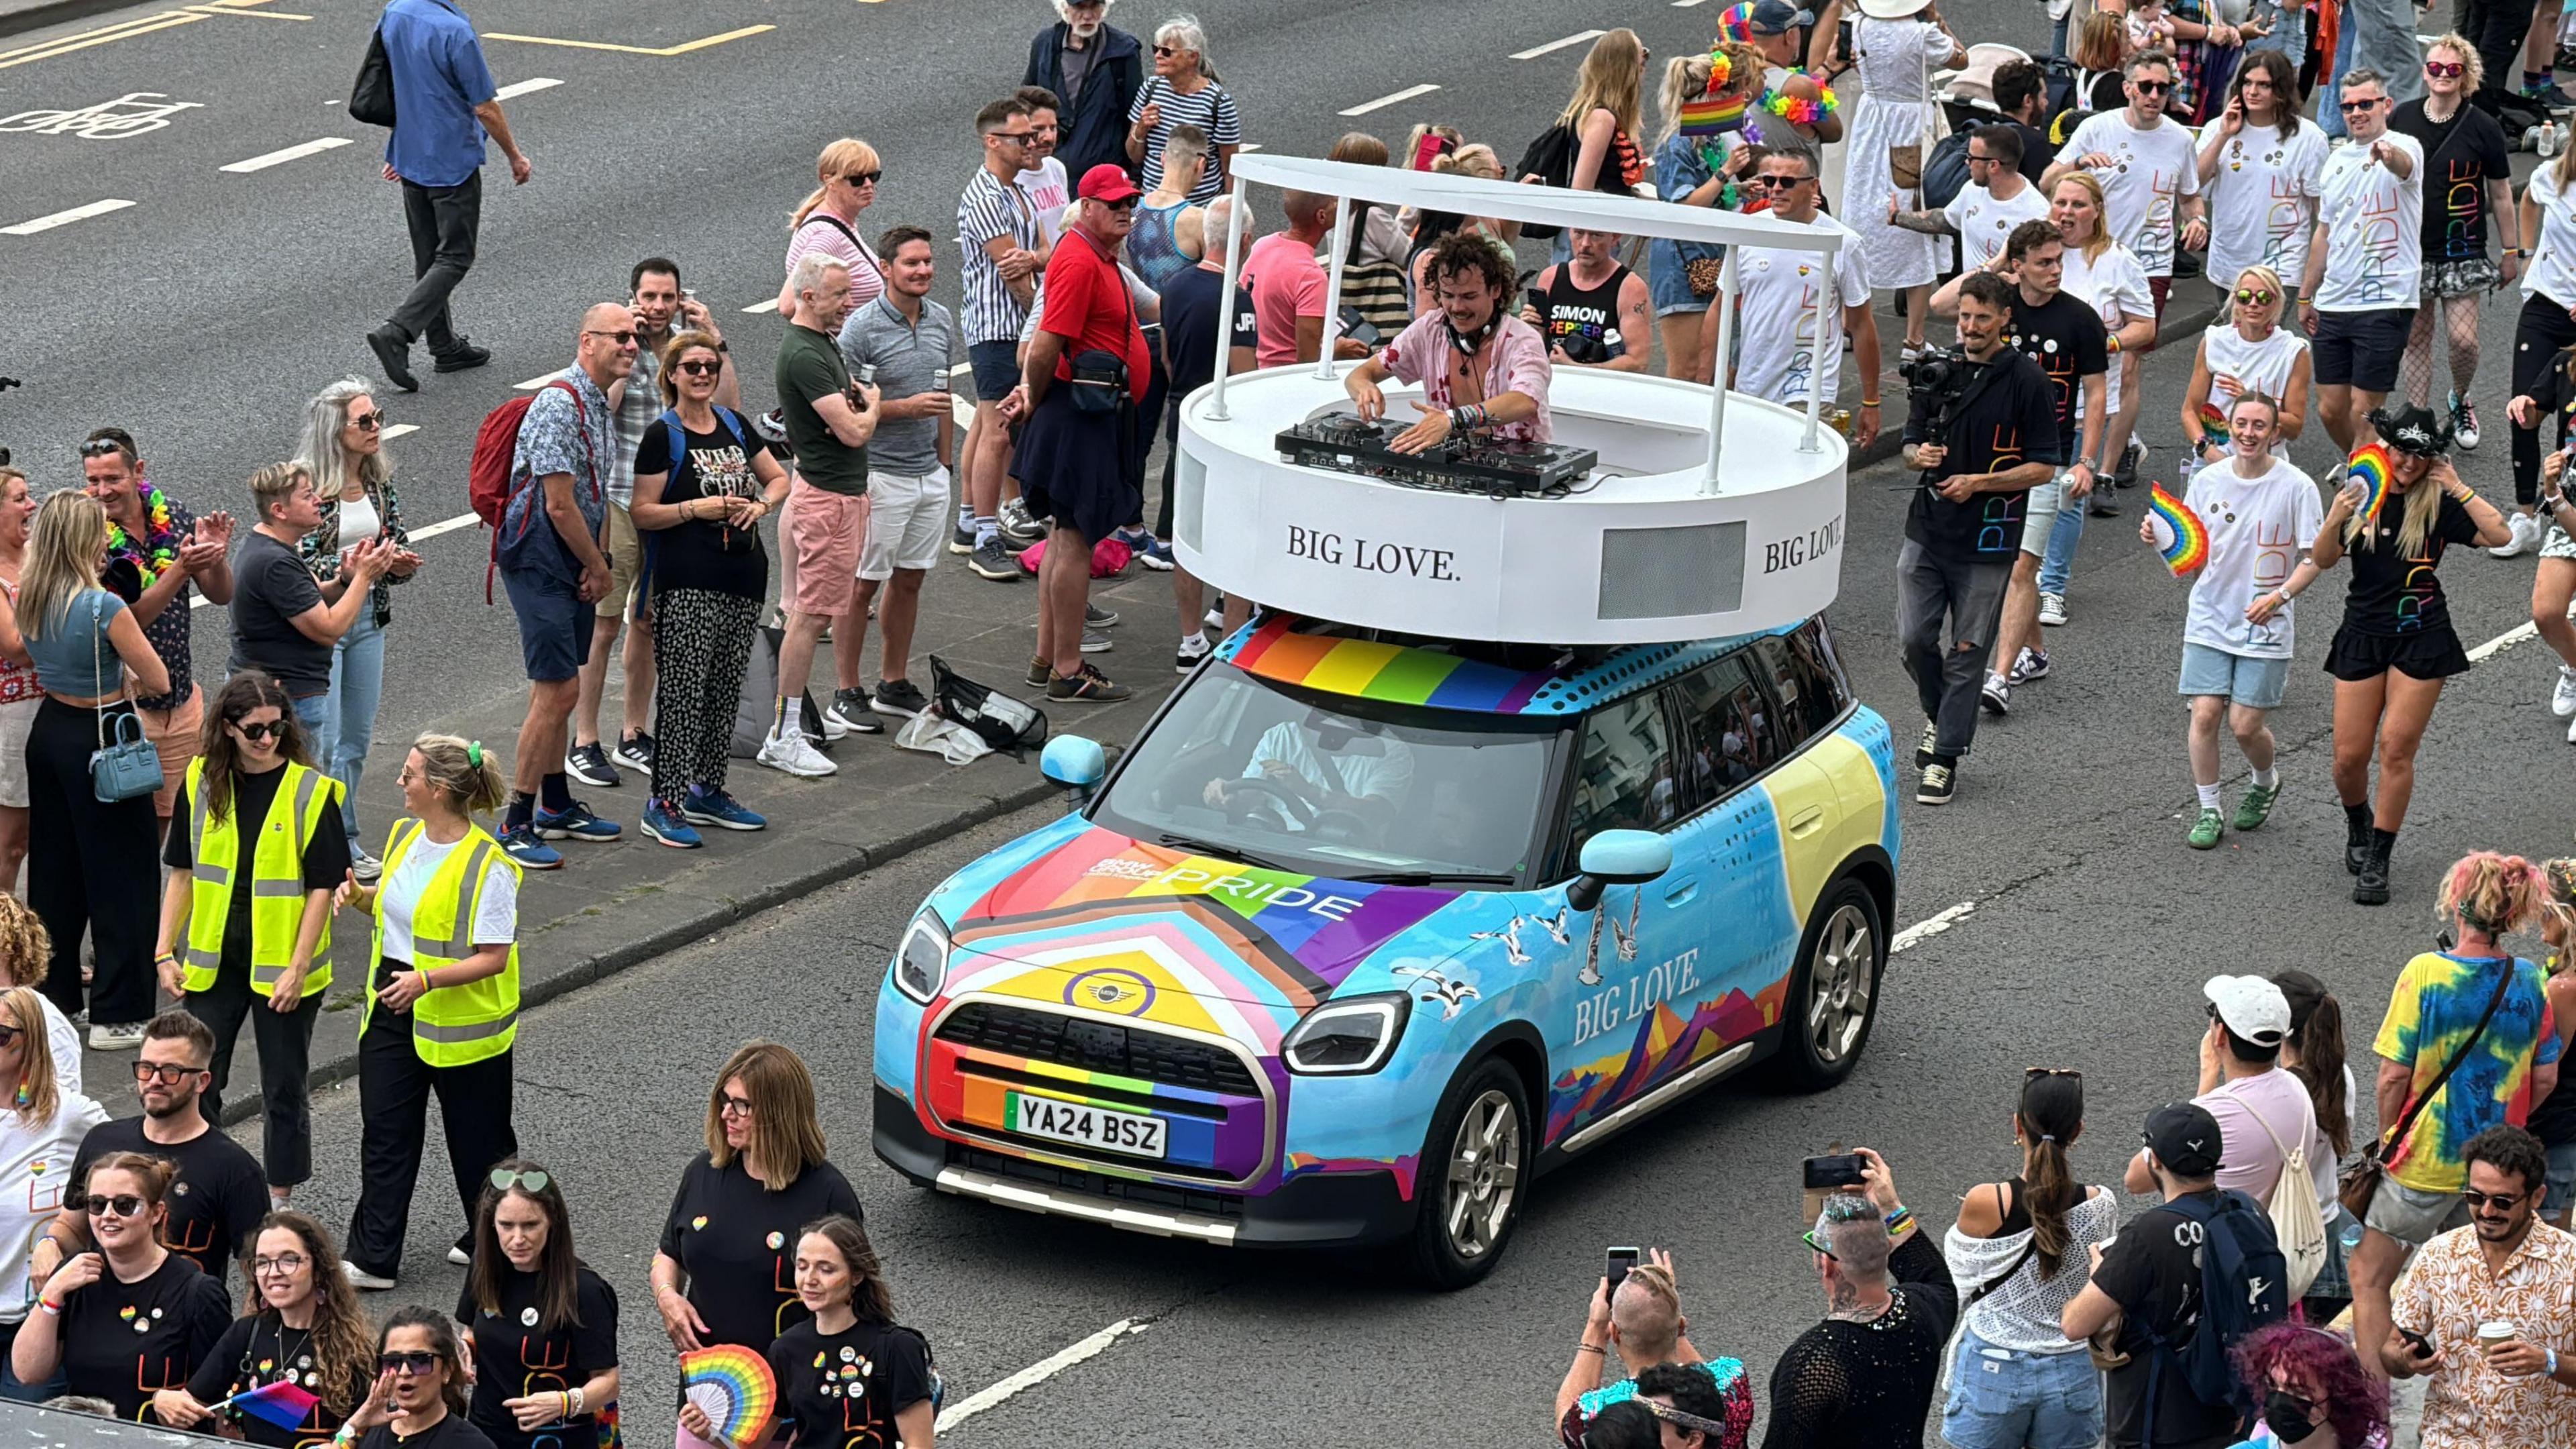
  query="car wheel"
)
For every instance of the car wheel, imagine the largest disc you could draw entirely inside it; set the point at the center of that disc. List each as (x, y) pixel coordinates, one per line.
(1475, 1168)
(1833, 993)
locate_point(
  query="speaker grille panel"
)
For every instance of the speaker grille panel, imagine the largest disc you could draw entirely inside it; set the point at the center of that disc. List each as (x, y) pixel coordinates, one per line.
(1658, 573)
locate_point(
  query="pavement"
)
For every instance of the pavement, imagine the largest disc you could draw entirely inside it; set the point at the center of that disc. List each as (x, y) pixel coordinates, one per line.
(2053, 915)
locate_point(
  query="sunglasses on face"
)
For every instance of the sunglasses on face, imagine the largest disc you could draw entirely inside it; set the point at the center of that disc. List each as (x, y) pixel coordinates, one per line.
(1121, 207)
(503, 1179)
(169, 1074)
(622, 339)
(2501, 1201)
(9, 1035)
(1167, 50)
(2354, 108)
(271, 730)
(287, 1263)
(123, 1204)
(2151, 88)
(863, 178)
(367, 422)
(701, 367)
(416, 1362)
(2445, 69)
(1013, 138)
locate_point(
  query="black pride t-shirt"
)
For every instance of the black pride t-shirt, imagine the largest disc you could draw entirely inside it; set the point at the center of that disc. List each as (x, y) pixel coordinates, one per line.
(737, 1241)
(844, 1389)
(2065, 337)
(2392, 594)
(2461, 157)
(123, 1342)
(516, 1356)
(215, 1201)
(2006, 419)
(261, 1350)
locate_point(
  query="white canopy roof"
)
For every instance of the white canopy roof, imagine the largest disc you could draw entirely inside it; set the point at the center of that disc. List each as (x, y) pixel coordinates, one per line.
(1552, 206)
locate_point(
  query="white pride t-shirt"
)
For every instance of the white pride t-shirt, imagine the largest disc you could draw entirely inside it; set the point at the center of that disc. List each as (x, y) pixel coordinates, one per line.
(2259, 529)
(2374, 229)
(2552, 270)
(2261, 201)
(2149, 174)
(2117, 287)
(1984, 223)
(1791, 304)
(35, 1172)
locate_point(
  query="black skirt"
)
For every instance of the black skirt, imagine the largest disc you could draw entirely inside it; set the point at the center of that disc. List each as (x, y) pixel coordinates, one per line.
(1072, 465)
(2422, 654)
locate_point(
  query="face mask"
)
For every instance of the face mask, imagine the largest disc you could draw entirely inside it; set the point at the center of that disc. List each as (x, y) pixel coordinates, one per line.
(2286, 1415)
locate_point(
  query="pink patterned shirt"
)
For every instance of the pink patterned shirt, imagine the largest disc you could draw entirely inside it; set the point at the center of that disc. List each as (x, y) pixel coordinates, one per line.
(17, 681)
(1518, 363)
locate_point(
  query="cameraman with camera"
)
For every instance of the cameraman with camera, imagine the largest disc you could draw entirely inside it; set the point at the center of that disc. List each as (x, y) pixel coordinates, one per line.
(1590, 305)
(1981, 424)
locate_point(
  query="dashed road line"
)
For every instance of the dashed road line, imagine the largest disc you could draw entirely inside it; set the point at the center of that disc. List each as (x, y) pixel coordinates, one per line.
(532, 84)
(758, 307)
(104, 35)
(444, 525)
(64, 218)
(399, 430)
(995, 1394)
(1406, 94)
(668, 50)
(1930, 926)
(1687, 4)
(2504, 641)
(236, 10)
(532, 384)
(1577, 38)
(291, 153)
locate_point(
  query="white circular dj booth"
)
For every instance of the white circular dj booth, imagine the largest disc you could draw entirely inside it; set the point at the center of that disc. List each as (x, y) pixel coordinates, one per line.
(1709, 513)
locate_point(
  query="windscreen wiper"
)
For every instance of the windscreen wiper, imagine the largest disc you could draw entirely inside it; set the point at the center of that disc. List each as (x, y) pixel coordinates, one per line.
(1433, 877)
(1222, 852)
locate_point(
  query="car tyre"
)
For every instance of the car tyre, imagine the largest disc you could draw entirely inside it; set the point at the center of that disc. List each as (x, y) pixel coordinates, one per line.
(1833, 993)
(1475, 1172)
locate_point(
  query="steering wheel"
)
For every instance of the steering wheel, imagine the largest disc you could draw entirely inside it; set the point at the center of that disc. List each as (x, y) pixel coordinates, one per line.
(1238, 808)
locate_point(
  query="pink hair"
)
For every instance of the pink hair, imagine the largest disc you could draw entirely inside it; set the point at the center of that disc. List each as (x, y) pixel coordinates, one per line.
(2320, 1367)
(2495, 893)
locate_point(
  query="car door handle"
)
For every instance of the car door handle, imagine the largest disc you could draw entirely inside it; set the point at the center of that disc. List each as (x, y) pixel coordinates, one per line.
(1805, 822)
(1680, 891)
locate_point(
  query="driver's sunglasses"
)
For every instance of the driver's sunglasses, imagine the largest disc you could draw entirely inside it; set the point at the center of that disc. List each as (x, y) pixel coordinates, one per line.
(2254, 296)
(2502, 1201)
(2445, 69)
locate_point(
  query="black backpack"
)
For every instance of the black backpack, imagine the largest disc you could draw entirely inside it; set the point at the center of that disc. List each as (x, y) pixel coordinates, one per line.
(2244, 1285)
(1945, 172)
(1550, 159)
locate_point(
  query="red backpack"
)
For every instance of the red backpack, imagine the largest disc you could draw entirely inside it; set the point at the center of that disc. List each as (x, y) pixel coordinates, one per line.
(488, 479)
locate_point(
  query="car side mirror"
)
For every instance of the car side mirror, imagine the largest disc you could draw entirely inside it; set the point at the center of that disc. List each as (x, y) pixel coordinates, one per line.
(1617, 857)
(1075, 763)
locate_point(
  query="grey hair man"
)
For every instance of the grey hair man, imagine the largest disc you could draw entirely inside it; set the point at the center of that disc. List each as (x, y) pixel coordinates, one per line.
(1094, 68)
(1890, 1306)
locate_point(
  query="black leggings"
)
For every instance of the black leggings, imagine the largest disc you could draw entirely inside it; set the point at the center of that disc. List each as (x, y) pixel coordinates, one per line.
(2543, 328)
(98, 871)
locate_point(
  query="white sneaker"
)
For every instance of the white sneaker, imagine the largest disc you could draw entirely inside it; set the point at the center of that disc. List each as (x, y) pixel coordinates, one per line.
(2571, 734)
(795, 755)
(2562, 700)
(361, 1278)
(115, 1037)
(2526, 530)
(459, 1256)
(2052, 609)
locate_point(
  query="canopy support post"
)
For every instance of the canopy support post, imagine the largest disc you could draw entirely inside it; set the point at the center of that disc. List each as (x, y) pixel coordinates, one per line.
(1225, 313)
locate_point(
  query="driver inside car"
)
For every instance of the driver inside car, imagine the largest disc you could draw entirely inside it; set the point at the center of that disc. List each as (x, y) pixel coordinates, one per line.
(1302, 773)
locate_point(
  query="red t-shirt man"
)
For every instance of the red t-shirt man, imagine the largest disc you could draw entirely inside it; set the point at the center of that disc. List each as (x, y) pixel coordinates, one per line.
(1087, 302)
(1286, 283)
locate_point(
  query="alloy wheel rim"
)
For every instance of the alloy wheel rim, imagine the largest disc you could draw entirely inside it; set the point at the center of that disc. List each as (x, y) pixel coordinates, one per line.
(1839, 987)
(1484, 1174)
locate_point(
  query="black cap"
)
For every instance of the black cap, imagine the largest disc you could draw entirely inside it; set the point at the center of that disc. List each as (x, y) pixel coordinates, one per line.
(2413, 429)
(2184, 1137)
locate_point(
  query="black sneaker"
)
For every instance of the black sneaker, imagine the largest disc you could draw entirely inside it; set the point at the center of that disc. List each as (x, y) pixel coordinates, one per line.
(635, 751)
(849, 710)
(1938, 783)
(1923, 748)
(1186, 659)
(589, 764)
(962, 540)
(1089, 687)
(463, 357)
(899, 698)
(992, 560)
(393, 354)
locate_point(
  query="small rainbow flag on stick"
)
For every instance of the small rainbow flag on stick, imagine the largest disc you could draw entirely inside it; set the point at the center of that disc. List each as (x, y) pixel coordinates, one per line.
(734, 1388)
(2369, 468)
(281, 1403)
(2181, 537)
(2213, 423)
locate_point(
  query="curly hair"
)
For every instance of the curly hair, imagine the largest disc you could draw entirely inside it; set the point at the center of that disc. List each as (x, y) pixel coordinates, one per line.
(1460, 253)
(2492, 893)
(2321, 1367)
(26, 948)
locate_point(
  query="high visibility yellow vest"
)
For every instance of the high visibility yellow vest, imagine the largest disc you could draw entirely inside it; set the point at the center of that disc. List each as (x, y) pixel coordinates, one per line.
(451, 1026)
(276, 879)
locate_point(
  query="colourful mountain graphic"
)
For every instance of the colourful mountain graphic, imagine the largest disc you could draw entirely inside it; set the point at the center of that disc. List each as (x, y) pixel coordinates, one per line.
(1663, 1045)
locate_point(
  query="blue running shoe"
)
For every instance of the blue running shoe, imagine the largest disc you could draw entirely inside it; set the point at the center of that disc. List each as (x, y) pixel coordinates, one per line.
(665, 825)
(715, 807)
(523, 846)
(1155, 554)
(575, 822)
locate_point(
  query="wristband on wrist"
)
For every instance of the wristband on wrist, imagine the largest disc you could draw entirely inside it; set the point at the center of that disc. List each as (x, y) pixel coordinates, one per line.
(575, 1402)
(1590, 1348)
(52, 1309)
(1899, 1220)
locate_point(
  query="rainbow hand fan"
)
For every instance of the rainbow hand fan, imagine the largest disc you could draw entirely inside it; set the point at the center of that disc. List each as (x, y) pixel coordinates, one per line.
(2369, 468)
(734, 1388)
(2184, 539)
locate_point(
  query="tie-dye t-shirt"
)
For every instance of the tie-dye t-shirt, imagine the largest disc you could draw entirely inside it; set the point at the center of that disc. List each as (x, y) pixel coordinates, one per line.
(2437, 1003)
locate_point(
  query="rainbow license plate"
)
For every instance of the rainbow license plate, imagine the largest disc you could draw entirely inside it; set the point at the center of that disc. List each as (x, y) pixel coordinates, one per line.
(1133, 1133)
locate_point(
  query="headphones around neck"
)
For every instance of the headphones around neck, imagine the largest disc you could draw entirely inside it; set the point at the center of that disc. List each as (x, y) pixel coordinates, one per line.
(1468, 342)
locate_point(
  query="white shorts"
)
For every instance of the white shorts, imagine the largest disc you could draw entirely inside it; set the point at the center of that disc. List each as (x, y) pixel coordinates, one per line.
(2039, 514)
(907, 523)
(15, 720)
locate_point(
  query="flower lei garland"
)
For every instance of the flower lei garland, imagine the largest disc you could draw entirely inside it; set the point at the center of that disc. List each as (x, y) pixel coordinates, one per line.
(1798, 110)
(160, 546)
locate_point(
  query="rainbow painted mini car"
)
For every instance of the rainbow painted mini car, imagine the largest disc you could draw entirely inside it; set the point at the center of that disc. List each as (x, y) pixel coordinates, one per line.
(1360, 935)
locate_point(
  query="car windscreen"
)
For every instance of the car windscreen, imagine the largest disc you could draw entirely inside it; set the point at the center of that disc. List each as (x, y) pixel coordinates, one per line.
(1271, 775)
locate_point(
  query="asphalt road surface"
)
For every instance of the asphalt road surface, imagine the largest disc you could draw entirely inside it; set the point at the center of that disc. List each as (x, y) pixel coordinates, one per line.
(2060, 920)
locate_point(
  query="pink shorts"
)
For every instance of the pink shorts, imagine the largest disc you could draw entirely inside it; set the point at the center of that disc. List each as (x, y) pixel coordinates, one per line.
(826, 530)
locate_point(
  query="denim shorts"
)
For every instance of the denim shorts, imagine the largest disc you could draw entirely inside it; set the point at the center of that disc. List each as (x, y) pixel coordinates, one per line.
(554, 624)
(2006, 1399)
(2253, 683)
(997, 369)
(2413, 1216)
(1668, 280)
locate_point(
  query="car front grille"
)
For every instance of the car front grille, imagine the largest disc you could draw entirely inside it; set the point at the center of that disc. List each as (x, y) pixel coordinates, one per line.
(1098, 1046)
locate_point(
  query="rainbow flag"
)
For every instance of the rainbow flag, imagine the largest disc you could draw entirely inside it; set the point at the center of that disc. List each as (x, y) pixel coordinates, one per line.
(2186, 542)
(2369, 467)
(2213, 423)
(1713, 115)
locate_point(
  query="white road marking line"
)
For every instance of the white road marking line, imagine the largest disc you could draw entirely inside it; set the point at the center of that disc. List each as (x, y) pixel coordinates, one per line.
(1577, 38)
(399, 430)
(1249, 146)
(1932, 926)
(992, 1395)
(532, 84)
(1406, 94)
(1687, 4)
(769, 306)
(291, 153)
(2504, 641)
(532, 384)
(64, 218)
(444, 525)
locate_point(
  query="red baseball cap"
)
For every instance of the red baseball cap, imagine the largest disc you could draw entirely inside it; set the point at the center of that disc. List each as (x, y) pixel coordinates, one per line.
(1107, 182)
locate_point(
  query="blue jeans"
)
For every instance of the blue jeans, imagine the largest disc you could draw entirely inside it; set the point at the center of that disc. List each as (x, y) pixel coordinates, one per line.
(349, 725)
(2379, 35)
(2006, 1399)
(2057, 35)
(2063, 536)
(314, 714)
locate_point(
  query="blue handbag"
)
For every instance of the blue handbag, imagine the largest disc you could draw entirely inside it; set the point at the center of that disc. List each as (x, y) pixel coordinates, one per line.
(129, 767)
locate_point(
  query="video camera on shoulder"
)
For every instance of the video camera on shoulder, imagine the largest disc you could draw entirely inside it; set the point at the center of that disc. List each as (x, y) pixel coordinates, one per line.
(1933, 378)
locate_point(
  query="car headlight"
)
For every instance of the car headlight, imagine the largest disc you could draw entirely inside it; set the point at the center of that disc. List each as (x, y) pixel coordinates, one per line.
(1345, 1038)
(921, 963)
